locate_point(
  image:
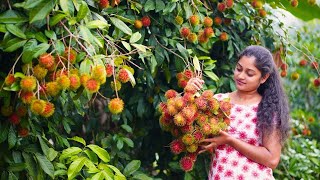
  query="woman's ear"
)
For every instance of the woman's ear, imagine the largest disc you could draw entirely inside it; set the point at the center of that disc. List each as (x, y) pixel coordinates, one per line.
(263, 79)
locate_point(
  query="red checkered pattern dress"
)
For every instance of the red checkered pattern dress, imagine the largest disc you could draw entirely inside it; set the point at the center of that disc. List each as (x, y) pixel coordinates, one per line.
(228, 163)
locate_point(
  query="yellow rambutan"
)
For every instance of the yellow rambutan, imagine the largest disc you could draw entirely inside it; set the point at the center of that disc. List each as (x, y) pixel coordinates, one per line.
(99, 73)
(39, 72)
(179, 120)
(63, 81)
(74, 82)
(116, 105)
(53, 88)
(192, 148)
(48, 109)
(188, 139)
(28, 83)
(37, 106)
(84, 78)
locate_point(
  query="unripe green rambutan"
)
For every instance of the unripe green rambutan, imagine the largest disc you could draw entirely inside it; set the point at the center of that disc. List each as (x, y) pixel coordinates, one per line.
(74, 82)
(70, 55)
(48, 109)
(215, 129)
(63, 81)
(99, 73)
(37, 106)
(179, 120)
(176, 146)
(179, 20)
(74, 71)
(9, 80)
(109, 70)
(207, 21)
(92, 85)
(39, 72)
(28, 83)
(187, 139)
(46, 60)
(171, 94)
(27, 96)
(53, 88)
(115, 85)
(186, 164)
(194, 20)
(192, 148)
(123, 75)
(116, 105)
(192, 37)
(6, 110)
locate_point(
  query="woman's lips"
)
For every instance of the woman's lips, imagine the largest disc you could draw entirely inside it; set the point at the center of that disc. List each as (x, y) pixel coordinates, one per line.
(240, 82)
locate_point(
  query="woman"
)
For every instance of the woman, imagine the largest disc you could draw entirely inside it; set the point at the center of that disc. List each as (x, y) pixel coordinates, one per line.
(259, 117)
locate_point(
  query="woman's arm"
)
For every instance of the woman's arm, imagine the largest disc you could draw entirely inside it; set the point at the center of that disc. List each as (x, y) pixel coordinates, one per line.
(268, 154)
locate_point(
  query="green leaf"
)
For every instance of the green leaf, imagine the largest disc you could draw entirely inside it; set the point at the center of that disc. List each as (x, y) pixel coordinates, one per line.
(187, 9)
(128, 141)
(97, 24)
(14, 44)
(141, 176)
(29, 4)
(83, 11)
(91, 167)
(159, 5)
(12, 16)
(4, 132)
(30, 164)
(60, 172)
(15, 30)
(50, 34)
(102, 153)
(86, 34)
(3, 28)
(69, 152)
(40, 49)
(12, 176)
(135, 37)
(75, 167)
(119, 144)
(126, 45)
(121, 25)
(45, 164)
(41, 11)
(183, 51)
(116, 170)
(91, 155)
(196, 63)
(44, 146)
(149, 5)
(131, 78)
(140, 47)
(67, 6)
(41, 37)
(78, 139)
(85, 66)
(52, 154)
(12, 137)
(98, 176)
(56, 18)
(211, 75)
(17, 167)
(127, 128)
(133, 166)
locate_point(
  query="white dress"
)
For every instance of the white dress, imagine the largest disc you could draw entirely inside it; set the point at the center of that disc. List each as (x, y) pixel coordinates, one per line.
(228, 163)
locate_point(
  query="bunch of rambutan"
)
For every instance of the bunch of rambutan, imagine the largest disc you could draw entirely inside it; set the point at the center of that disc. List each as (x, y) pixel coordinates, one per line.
(190, 117)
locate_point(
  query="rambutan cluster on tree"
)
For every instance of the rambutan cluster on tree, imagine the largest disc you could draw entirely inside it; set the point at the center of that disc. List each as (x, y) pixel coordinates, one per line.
(80, 71)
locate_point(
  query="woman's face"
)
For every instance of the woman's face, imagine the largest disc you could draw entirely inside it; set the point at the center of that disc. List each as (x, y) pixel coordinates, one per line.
(246, 76)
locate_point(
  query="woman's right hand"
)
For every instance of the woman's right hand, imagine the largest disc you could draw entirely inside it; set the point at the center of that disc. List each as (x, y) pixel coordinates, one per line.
(196, 82)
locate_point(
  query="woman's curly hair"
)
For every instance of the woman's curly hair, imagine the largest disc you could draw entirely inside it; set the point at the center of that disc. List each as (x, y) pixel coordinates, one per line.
(273, 110)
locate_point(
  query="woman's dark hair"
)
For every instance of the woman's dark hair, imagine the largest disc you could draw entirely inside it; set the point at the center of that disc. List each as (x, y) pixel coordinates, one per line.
(273, 110)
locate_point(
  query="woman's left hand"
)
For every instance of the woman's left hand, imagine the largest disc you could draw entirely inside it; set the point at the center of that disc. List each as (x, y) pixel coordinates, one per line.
(213, 143)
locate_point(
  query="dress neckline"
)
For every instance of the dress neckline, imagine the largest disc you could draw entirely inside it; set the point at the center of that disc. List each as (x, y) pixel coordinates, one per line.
(243, 105)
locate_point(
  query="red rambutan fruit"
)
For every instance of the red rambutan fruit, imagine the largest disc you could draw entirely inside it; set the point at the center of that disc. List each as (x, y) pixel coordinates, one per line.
(9, 80)
(27, 97)
(223, 36)
(179, 120)
(14, 119)
(92, 85)
(37, 106)
(48, 109)
(21, 110)
(171, 94)
(314, 65)
(123, 75)
(176, 146)
(190, 89)
(23, 132)
(194, 20)
(46, 60)
(221, 7)
(74, 82)
(104, 3)
(207, 21)
(109, 70)
(208, 32)
(201, 103)
(186, 163)
(303, 62)
(217, 21)
(184, 32)
(146, 21)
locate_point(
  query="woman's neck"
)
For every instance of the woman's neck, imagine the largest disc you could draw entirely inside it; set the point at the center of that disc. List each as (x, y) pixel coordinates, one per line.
(245, 97)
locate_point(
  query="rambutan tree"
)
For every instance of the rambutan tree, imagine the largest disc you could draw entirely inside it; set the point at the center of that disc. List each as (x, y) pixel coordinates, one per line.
(81, 79)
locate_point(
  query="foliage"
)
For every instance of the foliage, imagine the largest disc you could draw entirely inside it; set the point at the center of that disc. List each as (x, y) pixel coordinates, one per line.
(152, 55)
